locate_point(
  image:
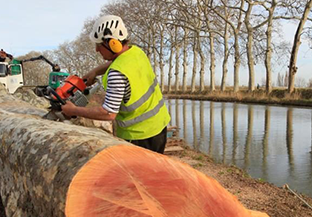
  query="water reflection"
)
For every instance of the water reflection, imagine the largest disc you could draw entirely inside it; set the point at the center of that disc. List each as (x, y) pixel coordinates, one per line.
(269, 142)
(265, 141)
(289, 139)
(235, 135)
(211, 128)
(224, 140)
(249, 136)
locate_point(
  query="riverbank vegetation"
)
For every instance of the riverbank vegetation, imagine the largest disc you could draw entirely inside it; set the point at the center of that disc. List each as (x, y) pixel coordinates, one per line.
(280, 96)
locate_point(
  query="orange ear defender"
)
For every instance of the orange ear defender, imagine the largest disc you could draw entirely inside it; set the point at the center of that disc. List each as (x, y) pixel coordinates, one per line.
(115, 45)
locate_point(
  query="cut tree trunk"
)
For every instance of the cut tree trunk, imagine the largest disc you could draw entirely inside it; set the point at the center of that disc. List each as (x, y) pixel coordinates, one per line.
(50, 169)
(38, 158)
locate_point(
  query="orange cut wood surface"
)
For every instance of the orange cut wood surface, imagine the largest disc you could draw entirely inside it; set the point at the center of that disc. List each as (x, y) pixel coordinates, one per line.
(123, 181)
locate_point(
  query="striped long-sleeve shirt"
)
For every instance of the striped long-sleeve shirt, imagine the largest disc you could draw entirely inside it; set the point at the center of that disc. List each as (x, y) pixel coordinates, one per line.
(118, 90)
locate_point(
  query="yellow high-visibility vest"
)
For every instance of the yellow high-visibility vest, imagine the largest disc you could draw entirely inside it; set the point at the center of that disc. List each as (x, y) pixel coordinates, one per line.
(145, 114)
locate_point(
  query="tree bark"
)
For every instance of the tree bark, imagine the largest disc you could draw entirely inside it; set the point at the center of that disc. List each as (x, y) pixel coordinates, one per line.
(237, 63)
(251, 67)
(202, 66)
(185, 56)
(268, 55)
(161, 61)
(212, 62)
(177, 61)
(194, 65)
(226, 54)
(295, 49)
(170, 69)
(155, 65)
(38, 158)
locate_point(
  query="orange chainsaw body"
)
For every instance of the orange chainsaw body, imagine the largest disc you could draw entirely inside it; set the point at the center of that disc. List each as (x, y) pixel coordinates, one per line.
(70, 86)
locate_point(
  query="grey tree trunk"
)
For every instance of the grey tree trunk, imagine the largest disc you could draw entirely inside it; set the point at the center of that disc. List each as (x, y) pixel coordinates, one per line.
(170, 70)
(251, 66)
(226, 56)
(237, 63)
(177, 61)
(202, 66)
(268, 56)
(155, 65)
(161, 61)
(194, 65)
(185, 56)
(149, 47)
(38, 158)
(212, 62)
(295, 48)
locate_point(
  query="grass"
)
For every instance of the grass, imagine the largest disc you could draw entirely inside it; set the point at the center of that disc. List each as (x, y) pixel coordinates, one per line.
(300, 97)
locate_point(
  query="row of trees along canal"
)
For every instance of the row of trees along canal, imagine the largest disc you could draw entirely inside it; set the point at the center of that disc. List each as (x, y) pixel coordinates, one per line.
(186, 35)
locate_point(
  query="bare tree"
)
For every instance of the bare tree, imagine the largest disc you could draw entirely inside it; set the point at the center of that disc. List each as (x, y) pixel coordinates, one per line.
(226, 51)
(235, 22)
(249, 46)
(177, 59)
(193, 84)
(280, 80)
(310, 83)
(296, 45)
(185, 56)
(300, 82)
(36, 73)
(269, 49)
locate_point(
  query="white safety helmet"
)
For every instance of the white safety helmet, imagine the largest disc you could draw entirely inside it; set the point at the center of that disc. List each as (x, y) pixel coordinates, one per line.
(106, 27)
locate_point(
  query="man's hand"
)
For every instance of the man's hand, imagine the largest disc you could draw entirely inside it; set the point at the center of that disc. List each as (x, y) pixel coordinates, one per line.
(69, 109)
(100, 70)
(90, 77)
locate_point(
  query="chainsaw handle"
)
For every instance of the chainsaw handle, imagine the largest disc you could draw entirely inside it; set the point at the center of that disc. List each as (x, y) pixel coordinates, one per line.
(93, 88)
(54, 93)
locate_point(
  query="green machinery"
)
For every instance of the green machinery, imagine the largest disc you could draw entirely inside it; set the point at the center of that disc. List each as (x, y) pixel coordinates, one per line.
(12, 76)
(56, 76)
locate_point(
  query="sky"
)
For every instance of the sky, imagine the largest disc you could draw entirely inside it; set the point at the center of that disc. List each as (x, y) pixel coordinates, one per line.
(38, 25)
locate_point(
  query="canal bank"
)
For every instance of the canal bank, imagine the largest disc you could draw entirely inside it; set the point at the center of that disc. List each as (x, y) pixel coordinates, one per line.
(255, 194)
(278, 96)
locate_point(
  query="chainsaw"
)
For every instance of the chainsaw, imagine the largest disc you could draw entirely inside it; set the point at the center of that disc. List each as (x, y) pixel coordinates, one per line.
(74, 89)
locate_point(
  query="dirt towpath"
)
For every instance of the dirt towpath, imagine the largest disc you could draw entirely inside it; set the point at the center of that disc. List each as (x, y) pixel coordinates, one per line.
(254, 194)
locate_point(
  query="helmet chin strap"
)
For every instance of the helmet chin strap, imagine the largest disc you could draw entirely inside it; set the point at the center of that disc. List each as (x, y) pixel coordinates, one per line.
(108, 48)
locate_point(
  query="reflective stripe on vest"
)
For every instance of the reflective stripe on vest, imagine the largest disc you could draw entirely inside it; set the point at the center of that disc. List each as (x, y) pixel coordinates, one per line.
(142, 117)
(140, 101)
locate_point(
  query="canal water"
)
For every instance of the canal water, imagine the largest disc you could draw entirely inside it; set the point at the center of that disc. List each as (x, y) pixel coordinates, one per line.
(272, 143)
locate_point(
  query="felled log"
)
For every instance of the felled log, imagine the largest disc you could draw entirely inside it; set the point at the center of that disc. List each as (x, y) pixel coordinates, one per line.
(129, 181)
(38, 158)
(55, 169)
